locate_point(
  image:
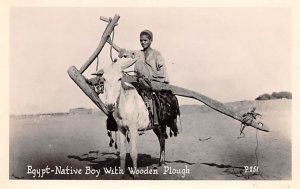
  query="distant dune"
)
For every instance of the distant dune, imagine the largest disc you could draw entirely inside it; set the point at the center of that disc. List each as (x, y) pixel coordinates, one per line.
(244, 106)
(238, 106)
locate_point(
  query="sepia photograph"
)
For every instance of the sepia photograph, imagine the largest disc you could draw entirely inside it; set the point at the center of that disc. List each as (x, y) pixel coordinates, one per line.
(150, 93)
(159, 94)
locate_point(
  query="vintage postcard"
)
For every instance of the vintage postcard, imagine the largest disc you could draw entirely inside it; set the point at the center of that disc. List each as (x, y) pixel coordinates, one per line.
(197, 93)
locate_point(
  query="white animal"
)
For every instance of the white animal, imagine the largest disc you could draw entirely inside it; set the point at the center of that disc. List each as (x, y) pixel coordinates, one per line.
(129, 110)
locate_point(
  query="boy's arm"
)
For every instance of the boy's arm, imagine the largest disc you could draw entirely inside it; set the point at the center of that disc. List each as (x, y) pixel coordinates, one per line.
(161, 67)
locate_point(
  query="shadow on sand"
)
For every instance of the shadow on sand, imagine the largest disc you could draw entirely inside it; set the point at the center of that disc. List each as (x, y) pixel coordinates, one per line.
(106, 160)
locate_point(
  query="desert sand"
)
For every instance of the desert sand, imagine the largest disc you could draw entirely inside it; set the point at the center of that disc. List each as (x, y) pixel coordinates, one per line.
(209, 146)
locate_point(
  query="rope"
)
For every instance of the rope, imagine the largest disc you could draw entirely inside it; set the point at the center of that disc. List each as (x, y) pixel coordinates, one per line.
(249, 117)
(111, 46)
(259, 172)
(97, 63)
(243, 126)
(256, 149)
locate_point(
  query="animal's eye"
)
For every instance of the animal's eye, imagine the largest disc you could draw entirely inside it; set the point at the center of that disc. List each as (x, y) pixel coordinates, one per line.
(119, 79)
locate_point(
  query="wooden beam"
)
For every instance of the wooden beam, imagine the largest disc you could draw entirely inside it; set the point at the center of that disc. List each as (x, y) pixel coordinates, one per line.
(214, 104)
(110, 27)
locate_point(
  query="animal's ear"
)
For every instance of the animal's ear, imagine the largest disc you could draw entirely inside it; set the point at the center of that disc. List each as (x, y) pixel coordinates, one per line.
(127, 86)
(128, 63)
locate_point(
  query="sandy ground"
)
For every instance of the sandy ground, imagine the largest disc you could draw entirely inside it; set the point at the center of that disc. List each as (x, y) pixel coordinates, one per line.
(209, 147)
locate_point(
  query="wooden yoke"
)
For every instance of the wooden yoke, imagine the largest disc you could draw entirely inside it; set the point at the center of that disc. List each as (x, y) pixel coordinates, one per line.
(77, 76)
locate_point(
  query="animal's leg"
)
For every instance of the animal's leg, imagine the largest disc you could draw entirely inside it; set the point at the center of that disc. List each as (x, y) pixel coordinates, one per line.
(160, 133)
(162, 143)
(133, 151)
(122, 138)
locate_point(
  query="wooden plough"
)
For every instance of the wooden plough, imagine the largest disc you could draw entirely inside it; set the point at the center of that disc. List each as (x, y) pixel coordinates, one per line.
(81, 81)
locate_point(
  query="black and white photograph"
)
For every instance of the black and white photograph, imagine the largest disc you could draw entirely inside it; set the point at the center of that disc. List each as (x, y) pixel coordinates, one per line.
(150, 93)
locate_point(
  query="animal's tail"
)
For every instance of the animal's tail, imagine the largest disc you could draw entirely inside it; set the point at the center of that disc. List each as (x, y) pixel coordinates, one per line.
(176, 126)
(178, 118)
(179, 125)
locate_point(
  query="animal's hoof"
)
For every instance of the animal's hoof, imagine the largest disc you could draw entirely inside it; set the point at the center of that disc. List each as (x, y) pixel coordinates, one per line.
(136, 177)
(166, 136)
(127, 177)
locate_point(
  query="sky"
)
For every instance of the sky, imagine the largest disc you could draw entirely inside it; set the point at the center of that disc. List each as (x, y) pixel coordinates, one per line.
(228, 54)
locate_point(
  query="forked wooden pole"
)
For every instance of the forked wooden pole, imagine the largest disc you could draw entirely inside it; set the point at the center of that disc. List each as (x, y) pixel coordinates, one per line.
(77, 76)
(110, 27)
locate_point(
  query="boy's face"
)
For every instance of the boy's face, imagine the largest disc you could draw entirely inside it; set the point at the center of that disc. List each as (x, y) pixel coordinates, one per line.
(145, 41)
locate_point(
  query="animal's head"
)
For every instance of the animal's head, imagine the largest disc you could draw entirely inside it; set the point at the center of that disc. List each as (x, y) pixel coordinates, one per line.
(112, 81)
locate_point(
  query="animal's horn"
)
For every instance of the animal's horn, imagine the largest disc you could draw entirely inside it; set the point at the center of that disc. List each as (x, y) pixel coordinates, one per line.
(128, 63)
(99, 73)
